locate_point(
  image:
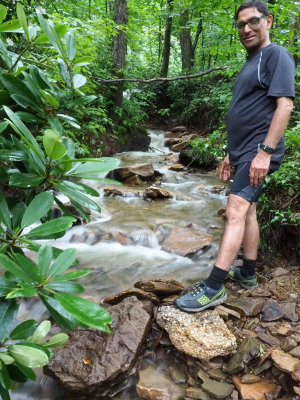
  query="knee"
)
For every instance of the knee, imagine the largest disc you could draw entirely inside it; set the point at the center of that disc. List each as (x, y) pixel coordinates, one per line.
(236, 211)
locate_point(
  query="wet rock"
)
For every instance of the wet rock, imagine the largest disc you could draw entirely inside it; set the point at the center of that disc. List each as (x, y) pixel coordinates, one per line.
(271, 311)
(178, 146)
(186, 241)
(254, 391)
(176, 167)
(249, 306)
(156, 385)
(288, 344)
(217, 390)
(160, 286)
(114, 191)
(228, 311)
(281, 272)
(180, 128)
(289, 312)
(177, 374)
(284, 361)
(269, 339)
(246, 352)
(296, 352)
(133, 180)
(203, 335)
(217, 374)
(218, 189)
(250, 378)
(263, 367)
(144, 171)
(261, 291)
(197, 393)
(188, 137)
(171, 134)
(171, 141)
(154, 193)
(111, 356)
(140, 294)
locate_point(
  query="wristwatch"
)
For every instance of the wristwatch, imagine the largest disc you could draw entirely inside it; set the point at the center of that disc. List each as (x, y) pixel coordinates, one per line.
(267, 149)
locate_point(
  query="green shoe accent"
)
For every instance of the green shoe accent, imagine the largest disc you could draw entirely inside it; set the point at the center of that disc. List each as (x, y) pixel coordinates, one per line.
(247, 283)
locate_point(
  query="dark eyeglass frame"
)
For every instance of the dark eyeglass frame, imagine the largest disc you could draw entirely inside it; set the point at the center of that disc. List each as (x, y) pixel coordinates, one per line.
(251, 22)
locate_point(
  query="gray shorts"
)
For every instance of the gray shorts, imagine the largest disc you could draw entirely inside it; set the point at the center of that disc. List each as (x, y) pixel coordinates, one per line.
(241, 182)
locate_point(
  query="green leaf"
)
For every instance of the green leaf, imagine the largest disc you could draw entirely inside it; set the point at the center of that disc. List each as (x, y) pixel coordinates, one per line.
(98, 166)
(6, 359)
(32, 32)
(4, 211)
(60, 30)
(11, 26)
(4, 377)
(50, 32)
(45, 255)
(72, 275)
(16, 86)
(41, 331)
(64, 72)
(19, 373)
(24, 330)
(28, 267)
(28, 356)
(58, 313)
(70, 45)
(4, 100)
(81, 100)
(38, 208)
(3, 12)
(4, 393)
(6, 286)
(13, 268)
(8, 311)
(79, 80)
(51, 227)
(81, 187)
(22, 292)
(57, 340)
(25, 181)
(65, 287)
(12, 155)
(84, 311)
(63, 261)
(17, 214)
(26, 135)
(52, 144)
(77, 197)
(49, 98)
(81, 61)
(22, 18)
(83, 214)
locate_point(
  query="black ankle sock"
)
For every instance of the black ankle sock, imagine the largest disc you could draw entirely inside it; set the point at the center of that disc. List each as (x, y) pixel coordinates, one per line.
(248, 268)
(216, 278)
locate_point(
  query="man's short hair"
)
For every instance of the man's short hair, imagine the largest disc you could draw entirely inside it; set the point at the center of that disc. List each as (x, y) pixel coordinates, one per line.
(259, 5)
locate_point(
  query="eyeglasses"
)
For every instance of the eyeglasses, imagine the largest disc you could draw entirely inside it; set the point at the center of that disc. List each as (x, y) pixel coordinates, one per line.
(252, 23)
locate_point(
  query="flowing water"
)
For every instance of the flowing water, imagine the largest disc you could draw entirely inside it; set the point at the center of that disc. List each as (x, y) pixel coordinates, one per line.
(123, 244)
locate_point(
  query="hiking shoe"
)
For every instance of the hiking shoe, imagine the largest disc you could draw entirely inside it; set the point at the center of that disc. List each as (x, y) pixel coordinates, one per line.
(200, 298)
(250, 282)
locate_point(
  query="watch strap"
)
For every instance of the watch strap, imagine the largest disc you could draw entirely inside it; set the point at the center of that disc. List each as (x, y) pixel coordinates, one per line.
(267, 149)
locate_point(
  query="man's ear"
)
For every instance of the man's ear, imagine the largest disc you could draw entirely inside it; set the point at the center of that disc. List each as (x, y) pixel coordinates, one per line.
(269, 21)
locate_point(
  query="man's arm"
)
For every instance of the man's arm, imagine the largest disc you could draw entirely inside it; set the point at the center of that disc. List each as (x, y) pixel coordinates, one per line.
(261, 162)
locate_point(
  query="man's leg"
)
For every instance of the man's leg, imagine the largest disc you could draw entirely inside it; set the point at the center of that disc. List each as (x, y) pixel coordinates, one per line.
(251, 234)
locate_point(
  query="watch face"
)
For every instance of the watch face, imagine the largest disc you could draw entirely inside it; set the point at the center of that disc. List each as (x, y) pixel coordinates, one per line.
(267, 149)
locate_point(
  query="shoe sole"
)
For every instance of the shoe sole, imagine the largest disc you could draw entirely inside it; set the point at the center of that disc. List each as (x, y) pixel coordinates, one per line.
(241, 284)
(195, 310)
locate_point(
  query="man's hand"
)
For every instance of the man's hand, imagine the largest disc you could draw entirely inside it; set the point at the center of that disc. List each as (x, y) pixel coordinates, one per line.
(259, 168)
(224, 173)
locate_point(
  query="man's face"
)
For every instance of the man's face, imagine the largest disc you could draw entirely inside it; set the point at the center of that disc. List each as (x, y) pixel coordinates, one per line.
(257, 36)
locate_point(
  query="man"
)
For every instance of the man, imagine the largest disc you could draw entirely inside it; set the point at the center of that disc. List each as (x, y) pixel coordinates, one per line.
(258, 114)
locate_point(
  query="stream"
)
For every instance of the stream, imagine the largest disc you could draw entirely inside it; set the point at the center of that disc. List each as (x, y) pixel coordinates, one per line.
(122, 245)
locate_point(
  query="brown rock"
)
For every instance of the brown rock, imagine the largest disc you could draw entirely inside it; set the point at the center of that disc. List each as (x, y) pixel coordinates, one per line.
(218, 390)
(202, 335)
(269, 339)
(186, 241)
(180, 128)
(288, 344)
(285, 329)
(217, 374)
(176, 167)
(171, 134)
(249, 306)
(133, 180)
(297, 390)
(171, 141)
(144, 171)
(296, 375)
(178, 146)
(140, 294)
(154, 192)
(254, 391)
(197, 393)
(271, 311)
(281, 272)
(111, 356)
(288, 310)
(284, 361)
(296, 352)
(160, 286)
(246, 352)
(250, 378)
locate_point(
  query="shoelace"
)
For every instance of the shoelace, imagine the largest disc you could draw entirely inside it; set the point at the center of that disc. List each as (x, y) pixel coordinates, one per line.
(198, 287)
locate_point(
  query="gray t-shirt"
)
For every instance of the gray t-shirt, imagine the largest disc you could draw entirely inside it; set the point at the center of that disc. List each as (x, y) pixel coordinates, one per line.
(267, 74)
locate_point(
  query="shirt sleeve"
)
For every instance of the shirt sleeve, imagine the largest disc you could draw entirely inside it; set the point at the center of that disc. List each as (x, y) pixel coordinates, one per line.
(281, 71)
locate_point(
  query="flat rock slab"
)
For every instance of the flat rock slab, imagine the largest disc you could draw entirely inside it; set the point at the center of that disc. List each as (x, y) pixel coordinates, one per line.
(254, 391)
(281, 272)
(154, 193)
(197, 393)
(160, 286)
(247, 351)
(140, 294)
(92, 361)
(176, 167)
(186, 241)
(202, 335)
(271, 311)
(156, 385)
(217, 390)
(296, 352)
(248, 306)
(284, 361)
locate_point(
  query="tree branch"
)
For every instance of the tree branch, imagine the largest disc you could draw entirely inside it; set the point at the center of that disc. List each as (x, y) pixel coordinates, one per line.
(176, 78)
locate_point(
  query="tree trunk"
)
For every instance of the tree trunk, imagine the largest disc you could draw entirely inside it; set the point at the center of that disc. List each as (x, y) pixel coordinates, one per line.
(119, 48)
(185, 41)
(167, 41)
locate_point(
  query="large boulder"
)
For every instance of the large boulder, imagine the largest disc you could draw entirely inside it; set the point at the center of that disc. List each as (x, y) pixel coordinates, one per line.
(202, 335)
(96, 362)
(144, 171)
